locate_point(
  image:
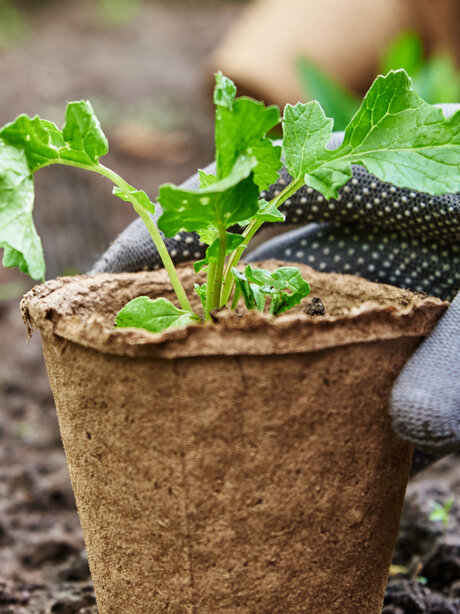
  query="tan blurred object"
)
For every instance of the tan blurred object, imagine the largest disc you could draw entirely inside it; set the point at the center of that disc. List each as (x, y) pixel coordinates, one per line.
(343, 38)
(136, 139)
(439, 23)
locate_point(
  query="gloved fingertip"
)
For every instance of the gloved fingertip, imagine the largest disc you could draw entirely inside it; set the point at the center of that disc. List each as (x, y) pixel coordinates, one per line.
(429, 421)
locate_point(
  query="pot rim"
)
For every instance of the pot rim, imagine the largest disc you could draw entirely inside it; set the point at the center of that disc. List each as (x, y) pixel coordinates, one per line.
(60, 307)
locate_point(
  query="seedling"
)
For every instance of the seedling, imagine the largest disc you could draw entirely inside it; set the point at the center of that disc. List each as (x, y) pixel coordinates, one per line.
(441, 512)
(395, 134)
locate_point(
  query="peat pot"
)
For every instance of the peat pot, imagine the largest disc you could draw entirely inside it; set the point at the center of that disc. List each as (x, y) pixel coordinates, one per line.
(244, 466)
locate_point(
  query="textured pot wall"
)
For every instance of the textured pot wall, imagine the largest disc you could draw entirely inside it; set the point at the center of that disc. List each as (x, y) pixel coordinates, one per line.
(264, 480)
(234, 484)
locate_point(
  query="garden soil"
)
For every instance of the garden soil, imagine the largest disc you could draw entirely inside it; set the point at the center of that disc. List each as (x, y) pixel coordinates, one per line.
(205, 490)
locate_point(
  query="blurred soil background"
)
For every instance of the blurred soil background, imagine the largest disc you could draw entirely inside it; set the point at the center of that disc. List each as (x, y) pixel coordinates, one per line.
(144, 67)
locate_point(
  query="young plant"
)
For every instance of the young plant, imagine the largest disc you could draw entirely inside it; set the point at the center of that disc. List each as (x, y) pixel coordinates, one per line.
(441, 513)
(395, 134)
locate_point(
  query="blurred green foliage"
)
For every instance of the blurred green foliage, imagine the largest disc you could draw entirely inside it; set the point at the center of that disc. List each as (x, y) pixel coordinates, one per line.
(13, 26)
(441, 512)
(117, 12)
(336, 100)
(12, 289)
(436, 78)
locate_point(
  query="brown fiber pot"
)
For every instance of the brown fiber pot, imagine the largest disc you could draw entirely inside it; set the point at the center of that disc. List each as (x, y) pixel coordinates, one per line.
(247, 466)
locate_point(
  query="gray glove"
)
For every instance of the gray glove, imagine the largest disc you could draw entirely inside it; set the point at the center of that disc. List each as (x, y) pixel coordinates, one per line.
(377, 231)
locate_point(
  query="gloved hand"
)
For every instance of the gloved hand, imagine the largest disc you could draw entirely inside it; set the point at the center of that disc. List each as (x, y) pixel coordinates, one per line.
(377, 231)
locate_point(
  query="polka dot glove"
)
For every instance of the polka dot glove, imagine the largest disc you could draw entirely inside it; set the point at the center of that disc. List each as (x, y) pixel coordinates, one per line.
(377, 231)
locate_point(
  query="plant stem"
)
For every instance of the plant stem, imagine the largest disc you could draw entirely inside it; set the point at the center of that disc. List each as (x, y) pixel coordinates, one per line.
(236, 298)
(153, 230)
(249, 232)
(219, 268)
(165, 257)
(210, 290)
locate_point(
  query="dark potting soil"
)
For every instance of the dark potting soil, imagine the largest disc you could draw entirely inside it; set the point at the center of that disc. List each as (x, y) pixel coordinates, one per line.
(429, 551)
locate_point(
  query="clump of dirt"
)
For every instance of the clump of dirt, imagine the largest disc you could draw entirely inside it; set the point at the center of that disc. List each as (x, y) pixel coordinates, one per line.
(315, 307)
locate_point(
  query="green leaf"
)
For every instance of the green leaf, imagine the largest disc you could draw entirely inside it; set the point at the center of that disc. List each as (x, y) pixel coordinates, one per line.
(397, 136)
(422, 580)
(241, 128)
(12, 258)
(140, 196)
(18, 236)
(268, 156)
(232, 241)
(260, 277)
(222, 204)
(335, 99)
(153, 315)
(40, 139)
(212, 253)
(81, 142)
(199, 264)
(307, 131)
(273, 283)
(201, 291)
(289, 278)
(255, 283)
(26, 145)
(269, 212)
(208, 235)
(437, 514)
(259, 296)
(82, 132)
(224, 91)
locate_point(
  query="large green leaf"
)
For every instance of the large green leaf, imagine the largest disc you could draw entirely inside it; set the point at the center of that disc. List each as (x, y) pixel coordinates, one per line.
(26, 145)
(18, 236)
(395, 134)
